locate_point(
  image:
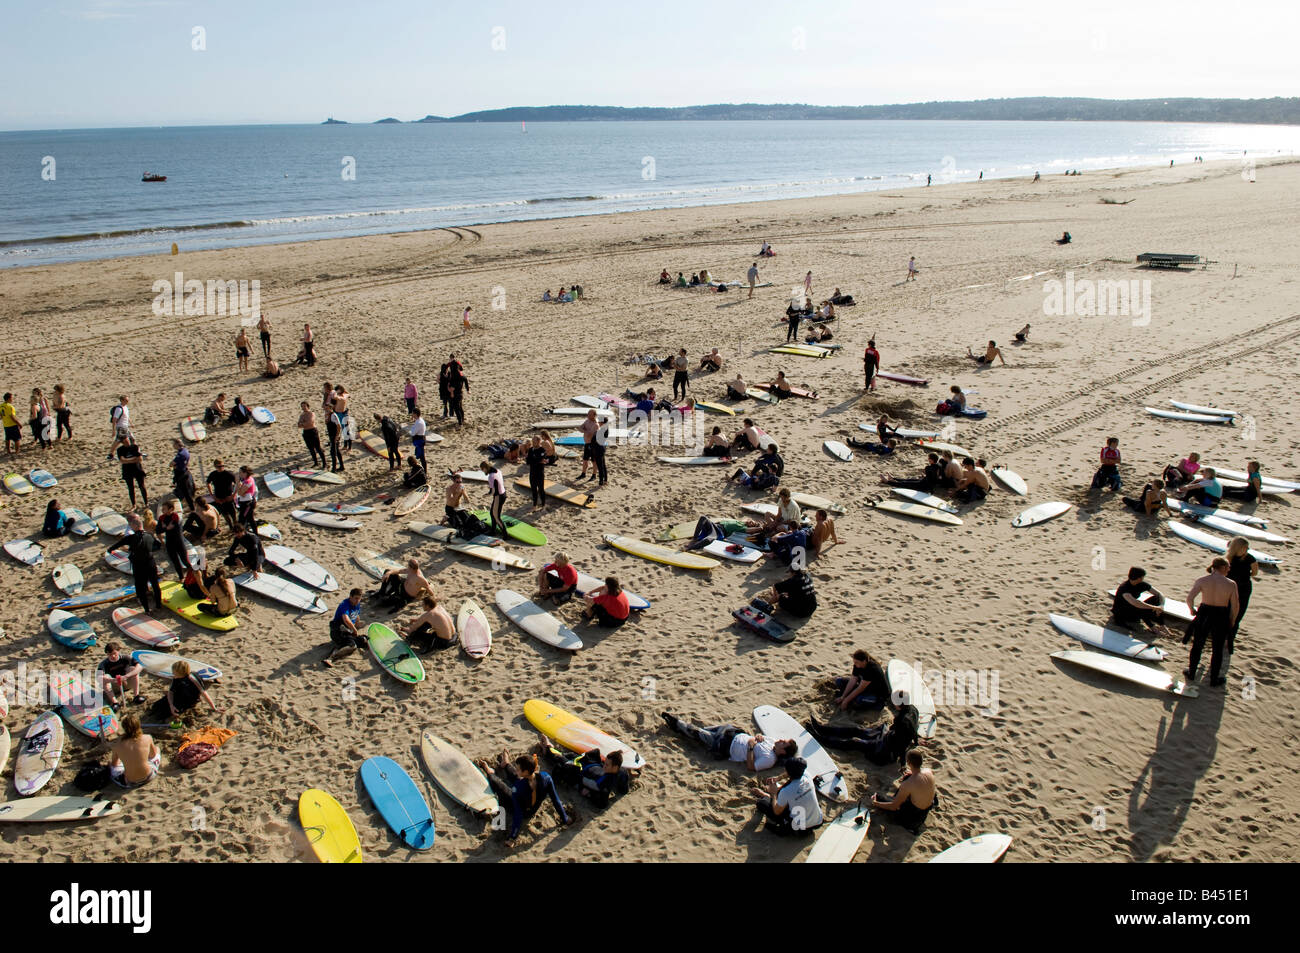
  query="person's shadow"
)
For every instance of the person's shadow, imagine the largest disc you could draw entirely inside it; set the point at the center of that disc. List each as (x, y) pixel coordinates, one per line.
(1163, 792)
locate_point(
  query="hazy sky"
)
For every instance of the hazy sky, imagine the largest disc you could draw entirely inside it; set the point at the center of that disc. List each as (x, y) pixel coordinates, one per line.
(82, 63)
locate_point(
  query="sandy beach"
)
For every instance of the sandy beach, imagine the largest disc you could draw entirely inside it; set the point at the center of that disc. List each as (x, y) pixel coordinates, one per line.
(1075, 767)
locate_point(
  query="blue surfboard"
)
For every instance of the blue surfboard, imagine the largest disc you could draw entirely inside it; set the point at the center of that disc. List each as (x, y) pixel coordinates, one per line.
(570, 441)
(399, 801)
(83, 599)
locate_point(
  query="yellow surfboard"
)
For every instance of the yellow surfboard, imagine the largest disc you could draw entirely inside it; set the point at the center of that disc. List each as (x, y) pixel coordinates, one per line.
(187, 607)
(328, 828)
(660, 554)
(567, 729)
(561, 492)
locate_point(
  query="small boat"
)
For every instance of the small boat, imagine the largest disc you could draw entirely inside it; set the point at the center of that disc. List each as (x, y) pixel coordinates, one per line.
(152, 177)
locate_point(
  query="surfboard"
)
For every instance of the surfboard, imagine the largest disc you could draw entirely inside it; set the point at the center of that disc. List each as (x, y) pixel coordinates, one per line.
(1011, 480)
(586, 400)
(556, 423)
(412, 501)
(39, 753)
(659, 554)
(84, 599)
(269, 531)
(324, 520)
(938, 446)
(1242, 476)
(57, 808)
(1215, 543)
(329, 830)
(5, 742)
(473, 629)
(1127, 670)
(300, 567)
(841, 838)
(393, 654)
(761, 395)
(602, 413)
(774, 723)
(1041, 513)
(560, 492)
(456, 775)
(794, 391)
(375, 565)
(160, 664)
(17, 484)
(25, 551)
(837, 450)
(720, 549)
(537, 622)
(122, 563)
(68, 579)
(709, 407)
(516, 528)
(925, 499)
(903, 677)
(374, 443)
(42, 479)
(84, 525)
(1208, 411)
(82, 707)
(904, 379)
(588, 583)
(1198, 510)
(981, 849)
(278, 483)
(110, 521)
(676, 531)
(1107, 639)
(338, 509)
(917, 510)
(498, 556)
(1241, 529)
(809, 501)
(905, 432)
(1172, 609)
(263, 416)
(756, 620)
(1191, 418)
(694, 461)
(799, 350)
(194, 429)
(187, 607)
(570, 731)
(317, 476)
(70, 630)
(145, 629)
(281, 590)
(398, 801)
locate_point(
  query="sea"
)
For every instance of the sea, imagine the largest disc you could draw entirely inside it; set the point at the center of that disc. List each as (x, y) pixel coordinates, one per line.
(70, 195)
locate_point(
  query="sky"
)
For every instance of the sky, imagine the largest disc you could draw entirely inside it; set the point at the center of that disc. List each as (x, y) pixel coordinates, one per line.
(99, 63)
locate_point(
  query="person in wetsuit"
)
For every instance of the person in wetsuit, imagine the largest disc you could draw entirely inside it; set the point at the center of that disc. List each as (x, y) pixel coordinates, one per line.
(1252, 491)
(1151, 501)
(601, 780)
(140, 548)
(246, 553)
(882, 744)
(525, 789)
(930, 478)
(1243, 569)
(864, 687)
(1129, 608)
(1214, 620)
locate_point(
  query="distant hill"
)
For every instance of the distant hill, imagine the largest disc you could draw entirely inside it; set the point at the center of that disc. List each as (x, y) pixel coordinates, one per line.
(389, 119)
(333, 122)
(1036, 109)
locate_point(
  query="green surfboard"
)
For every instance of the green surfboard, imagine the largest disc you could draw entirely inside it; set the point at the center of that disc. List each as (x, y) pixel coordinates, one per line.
(526, 533)
(394, 654)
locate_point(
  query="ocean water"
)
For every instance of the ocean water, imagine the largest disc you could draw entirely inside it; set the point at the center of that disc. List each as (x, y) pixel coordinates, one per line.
(76, 194)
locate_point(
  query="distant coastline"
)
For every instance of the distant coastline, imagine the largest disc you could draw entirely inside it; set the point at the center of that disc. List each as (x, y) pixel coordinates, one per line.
(1275, 111)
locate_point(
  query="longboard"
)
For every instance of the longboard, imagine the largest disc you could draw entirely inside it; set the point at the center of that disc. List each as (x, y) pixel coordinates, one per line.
(905, 678)
(981, 849)
(560, 492)
(1214, 543)
(588, 583)
(317, 476)
(917, 510)
(187, 607)
(301, 568)
(324, 520)
(659, 554)
(281, 590)
(1107, 639)
(1190, 418)
(925, 499)
(374, 565)
(537, 622)
(456, 775)
(841, 838)
(56, 808)
(572, 732)
(143, 628)
(526, 533)
(1128, 671)
(774, 723)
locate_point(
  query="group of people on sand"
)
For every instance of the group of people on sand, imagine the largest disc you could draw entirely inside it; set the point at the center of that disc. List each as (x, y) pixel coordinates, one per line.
(563, 296)
(49, 419)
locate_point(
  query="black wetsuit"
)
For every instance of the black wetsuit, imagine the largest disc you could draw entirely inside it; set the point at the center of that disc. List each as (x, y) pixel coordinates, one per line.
(1126, 613)
(932, 478)
(1239, 572)
(1211, 623)
(139, 547)
(536, 458)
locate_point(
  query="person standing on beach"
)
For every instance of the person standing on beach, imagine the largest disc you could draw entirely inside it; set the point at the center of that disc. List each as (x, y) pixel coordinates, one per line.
(246, 499)
(264, 332)
(417, 430)
(752, 276)
(341, 398)
(42, 423)
(444, 387)
(62, 413)
(221, 484)
(536, 458)
(870, 364)
(497, 488)
(464, 319)
(392, 438)
(411, 394)
(588, 430)
(792, 318)
(242, 350)
(13, 429)
(182, 479)
(1214, 618)
(132, 461)
(911, 269)
(310, 433)
(681, 375)
(120, 418)
(308, 345)
(139, 551)
(807, 285)
(456, 390)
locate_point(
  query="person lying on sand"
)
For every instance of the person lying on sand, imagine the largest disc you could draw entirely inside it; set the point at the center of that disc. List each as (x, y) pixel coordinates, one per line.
(991, 353)
(756, 752)
(927, 481)
(882, 449)
(882, 744)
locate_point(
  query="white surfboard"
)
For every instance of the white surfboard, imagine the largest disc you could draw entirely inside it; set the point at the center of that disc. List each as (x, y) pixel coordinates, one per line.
(1041, 513)
(695, 461)
(903, 677)
(300, 567)
(1011, 480)
(810, 502)
(1266, 489)
(278, 483)
(375, 565)
(1190, 418)
(718, 548)
(917, 510)
(68, 579)
(838, 450)
(939, 446)
(1208, 411)
(774, 723)
(556, 423)
(1107, 639)
(581, 412)
(586, 400)
(588, 583)
(1127, 670)
(1177, 610)
(841, 838)
(84, 525)
(1242, 476)
(1198, 510)
(981, 849)
(925, 499)
(110, 521)
(281, 590)
(537, 622)
(25, 551)
(1214, 543)
(56, 808)
(906, 432)
(263, 416)
(412, 501)
(1241, 529)
(160, 664)
(325, 520)
(39, 751)
(473, 629)
(269, 531)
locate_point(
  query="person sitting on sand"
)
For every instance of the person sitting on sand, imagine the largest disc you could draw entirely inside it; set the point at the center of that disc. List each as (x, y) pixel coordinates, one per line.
(883, 430)
(239, 414)
(216, 410)
(695, 279)
(717, 445)
(954, 404)
(607, 605)
(345, 629)
(779, 388)
(557, 580)
(787, 518)
(183, 693)
(416, 475)
(653, 372)
(1065, 239)
(911, 803)
(842, 299)
(711, 361)
(456, 495)
(681, 280)
(120, 669)
(819, 334)
(882, 744)
(927, 481)
(134, 757)
(245, 553)
(705, 278)
(432, 629)
(1253, 489)
(563, 297)
(546, 295)
(737, 389)
(950, 479)
(664, 279)
(1207, 491)
(1152, 500)
(974, 484)
(826, 312)
(1130, 609)
(525, 789)
(792, 807)
(864, 687)
(1184, 472)
(1108, 473)
(747, 438)
(795, 594)
(56, 523)
(756, 752)
(991, 353)
(272, 368)
(1022, 335)
(221, 591)
(823, 534)
(766, 473)
(601, 780)
(398, 587)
